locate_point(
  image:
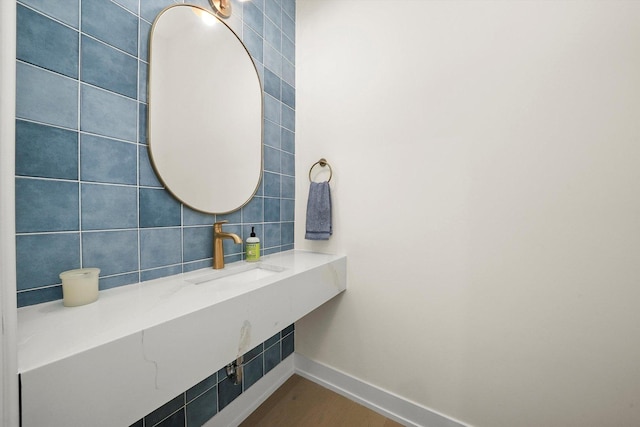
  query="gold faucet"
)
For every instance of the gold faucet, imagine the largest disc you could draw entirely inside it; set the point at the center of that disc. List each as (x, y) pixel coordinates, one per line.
(218, 249)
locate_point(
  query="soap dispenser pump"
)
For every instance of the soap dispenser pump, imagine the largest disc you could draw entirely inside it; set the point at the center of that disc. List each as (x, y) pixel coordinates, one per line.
(253, 247)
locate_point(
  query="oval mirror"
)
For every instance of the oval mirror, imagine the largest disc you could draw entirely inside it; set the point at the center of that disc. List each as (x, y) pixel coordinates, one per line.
(205, 111)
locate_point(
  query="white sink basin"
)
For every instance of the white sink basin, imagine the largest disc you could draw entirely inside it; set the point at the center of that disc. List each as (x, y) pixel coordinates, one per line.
(244, 273)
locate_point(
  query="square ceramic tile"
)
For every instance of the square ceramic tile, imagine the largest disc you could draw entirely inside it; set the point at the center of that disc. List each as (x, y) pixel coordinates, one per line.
(160, 247)
(107, 160)
(288, 345)
(157, 273)
(288, 118)
(253, 42)
(287, 232)
(46, 151)
(272, 109)
(66, 11)
(234, 217)
(165, 410)
(203, 386)
(143, 44)
(111, 24)
(288, 330)
(109, 114)
(287, 141)
(46, 43)
(193, 217)
(273, 11)
(46, 205)
(271, 184)
(227, 392)
(273, 34)
(288, 72)
(272, 356)
(119, 280)
(288, 187)
(272, 84)
(158, 208)
(272, 59)
(142, 123)
(253, 17)
(143, 69)
(251, 354)
(205, 406)
(253, 371)
(46, 97)
(149, 9)
(38, 296)
(288, 164)
(113, 252)
(131, 5)
(42, 257)
(288, 26)
(259, 4)
(288, 95)
(287, 213)
(271, 209)
(289, 7)
(271, 159)
(107, 207)
(147, 174)
(288, 50)
(271, 134)
(197, 243)
(253, 212)
(109, 68)
(272, 236)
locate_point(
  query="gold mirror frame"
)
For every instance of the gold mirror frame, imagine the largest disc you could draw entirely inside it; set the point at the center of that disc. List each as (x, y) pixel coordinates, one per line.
(231, 150)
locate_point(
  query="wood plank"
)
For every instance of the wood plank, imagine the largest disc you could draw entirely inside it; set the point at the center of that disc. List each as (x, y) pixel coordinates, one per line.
(303, 403)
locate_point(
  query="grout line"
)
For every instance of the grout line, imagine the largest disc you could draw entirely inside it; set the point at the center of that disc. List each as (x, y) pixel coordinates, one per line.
(39, 12)
(77, 130)
(94, 38)
(138, 149)
(128, 98)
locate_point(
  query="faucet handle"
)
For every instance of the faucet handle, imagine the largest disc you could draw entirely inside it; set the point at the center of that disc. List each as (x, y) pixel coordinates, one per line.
(217, 226)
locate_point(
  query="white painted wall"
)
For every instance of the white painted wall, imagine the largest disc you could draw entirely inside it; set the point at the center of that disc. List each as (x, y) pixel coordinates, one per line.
(486, 190)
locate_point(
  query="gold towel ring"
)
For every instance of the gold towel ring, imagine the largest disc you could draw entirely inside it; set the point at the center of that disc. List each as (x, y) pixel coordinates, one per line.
(322, 162)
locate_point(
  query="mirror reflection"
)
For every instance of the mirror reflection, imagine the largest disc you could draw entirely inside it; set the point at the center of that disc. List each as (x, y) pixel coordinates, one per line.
(205, 111)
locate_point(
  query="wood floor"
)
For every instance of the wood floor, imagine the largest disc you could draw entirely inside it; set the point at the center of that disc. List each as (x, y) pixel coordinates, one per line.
(302, 403)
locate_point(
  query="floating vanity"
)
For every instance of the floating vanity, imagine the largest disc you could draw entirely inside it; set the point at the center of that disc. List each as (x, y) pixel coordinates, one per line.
(148, 342)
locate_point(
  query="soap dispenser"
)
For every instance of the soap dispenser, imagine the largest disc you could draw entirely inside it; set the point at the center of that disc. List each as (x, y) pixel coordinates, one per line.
(253, 247)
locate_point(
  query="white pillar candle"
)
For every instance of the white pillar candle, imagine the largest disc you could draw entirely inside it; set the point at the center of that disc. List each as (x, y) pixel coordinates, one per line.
(79, 286)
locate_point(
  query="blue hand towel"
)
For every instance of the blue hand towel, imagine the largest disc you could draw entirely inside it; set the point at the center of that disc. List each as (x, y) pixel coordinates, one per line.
(319, 212)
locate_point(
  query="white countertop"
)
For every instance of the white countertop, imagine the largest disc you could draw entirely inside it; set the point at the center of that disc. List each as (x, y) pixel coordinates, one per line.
(50, 332)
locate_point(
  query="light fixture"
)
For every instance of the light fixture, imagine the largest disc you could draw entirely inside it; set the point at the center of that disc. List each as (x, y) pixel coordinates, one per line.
(222, 7)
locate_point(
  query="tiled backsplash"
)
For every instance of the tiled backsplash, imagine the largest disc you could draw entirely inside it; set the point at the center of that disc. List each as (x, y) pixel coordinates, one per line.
(86, 195)
(204, 400)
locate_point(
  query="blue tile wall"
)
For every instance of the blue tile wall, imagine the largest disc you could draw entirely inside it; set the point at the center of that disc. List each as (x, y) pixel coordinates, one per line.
(204, 400)
(86, 194)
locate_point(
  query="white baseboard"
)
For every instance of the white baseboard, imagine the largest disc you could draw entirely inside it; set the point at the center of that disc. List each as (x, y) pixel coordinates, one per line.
(242, 406)
(381, 401)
